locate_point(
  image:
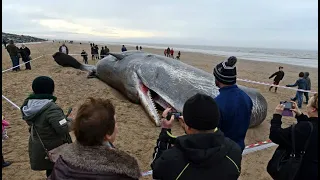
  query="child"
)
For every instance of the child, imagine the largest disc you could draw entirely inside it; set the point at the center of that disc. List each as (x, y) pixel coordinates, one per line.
(302, 84)
(5, 124)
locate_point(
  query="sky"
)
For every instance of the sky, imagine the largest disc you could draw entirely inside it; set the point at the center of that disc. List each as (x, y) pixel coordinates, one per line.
(288, 24)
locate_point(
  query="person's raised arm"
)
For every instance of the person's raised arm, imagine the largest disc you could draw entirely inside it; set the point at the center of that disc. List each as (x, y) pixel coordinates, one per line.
(277, 134)
(273, 75)
(166, 139)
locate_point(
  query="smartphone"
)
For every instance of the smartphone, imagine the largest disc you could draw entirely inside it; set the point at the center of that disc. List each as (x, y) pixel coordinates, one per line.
(287, 105)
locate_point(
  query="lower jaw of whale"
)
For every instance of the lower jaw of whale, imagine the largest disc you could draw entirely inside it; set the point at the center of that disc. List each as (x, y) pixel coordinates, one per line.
(152, 102)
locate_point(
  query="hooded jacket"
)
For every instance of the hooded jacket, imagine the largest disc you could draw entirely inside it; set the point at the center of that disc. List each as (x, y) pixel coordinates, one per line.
(47, 120)
(199, 156)
(306, 76)
(77, 162)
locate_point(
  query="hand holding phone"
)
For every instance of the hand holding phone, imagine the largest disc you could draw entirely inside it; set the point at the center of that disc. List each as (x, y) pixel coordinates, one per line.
(287, 108)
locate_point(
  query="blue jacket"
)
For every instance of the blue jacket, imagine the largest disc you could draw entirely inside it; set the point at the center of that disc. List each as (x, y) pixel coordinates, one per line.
(301, 83)
(123, 49)
(235, 110)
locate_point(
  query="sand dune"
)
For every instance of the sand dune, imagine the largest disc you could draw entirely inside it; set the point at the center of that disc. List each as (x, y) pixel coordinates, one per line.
(137, 134)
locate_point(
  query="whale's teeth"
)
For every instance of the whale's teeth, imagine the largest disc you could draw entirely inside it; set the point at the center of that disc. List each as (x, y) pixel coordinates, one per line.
(153, 104)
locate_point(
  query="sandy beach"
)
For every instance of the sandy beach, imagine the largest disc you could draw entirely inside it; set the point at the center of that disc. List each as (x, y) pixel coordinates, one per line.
(137, 134)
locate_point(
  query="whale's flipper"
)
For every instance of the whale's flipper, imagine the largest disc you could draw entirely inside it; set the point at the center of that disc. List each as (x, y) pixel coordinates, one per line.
(66, 60)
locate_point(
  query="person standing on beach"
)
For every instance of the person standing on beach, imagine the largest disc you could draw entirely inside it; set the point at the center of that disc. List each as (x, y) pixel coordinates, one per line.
(64, 49)
(178, 57)
(308, 87)
(13, 51)
(25, 54)
(137, 48)
(96, 51)
(123, 49)
(165, 52)
(102, 53)
(168, 52)
(172, 52)
(85, 56)
(140, 48)
(302, 84)
(92, 52)
(106, 49)
(234, 104)
(279, 76)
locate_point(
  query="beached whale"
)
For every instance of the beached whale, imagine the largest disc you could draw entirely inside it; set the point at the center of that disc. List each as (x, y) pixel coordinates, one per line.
(158, 82)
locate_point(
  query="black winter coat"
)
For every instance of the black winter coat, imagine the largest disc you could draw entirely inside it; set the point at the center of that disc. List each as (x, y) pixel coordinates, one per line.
(279, 76)
(25, 53)
(309, 166)
(197, 156)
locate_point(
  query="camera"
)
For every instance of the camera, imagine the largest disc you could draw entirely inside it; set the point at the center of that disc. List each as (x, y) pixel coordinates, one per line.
(176, 115)
(287, 105)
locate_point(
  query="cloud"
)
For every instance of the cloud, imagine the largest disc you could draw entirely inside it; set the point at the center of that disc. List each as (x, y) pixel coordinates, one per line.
(281, 23)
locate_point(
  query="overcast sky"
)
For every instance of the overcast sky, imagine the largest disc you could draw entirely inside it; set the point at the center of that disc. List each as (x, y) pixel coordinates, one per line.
(244, 23)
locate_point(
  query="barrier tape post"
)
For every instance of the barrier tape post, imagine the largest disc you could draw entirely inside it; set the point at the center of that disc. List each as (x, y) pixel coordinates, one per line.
(22, 64)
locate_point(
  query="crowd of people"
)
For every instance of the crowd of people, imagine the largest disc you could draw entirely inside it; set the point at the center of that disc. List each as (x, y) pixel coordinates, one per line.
(170, 53)
(16, 53)
(212, 146)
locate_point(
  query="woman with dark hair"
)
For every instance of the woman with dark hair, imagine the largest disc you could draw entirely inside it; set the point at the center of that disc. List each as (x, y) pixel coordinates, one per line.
(305, 130)
(93, 155)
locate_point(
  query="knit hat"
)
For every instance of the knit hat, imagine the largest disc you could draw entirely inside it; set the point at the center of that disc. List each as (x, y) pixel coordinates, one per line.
(226, 72)
(43, 85)
(201, 112)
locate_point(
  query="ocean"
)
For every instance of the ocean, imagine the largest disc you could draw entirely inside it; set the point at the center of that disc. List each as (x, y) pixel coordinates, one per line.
(306, 58)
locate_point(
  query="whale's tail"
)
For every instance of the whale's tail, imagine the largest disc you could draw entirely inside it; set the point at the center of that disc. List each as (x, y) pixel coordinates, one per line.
(66, 60)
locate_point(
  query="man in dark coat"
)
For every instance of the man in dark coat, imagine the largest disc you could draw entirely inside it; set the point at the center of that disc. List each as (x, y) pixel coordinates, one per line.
(85, 56)
(13, 51)
(25, 54)
(204, 153)
(48, 126)
(96, 51)
(278, 77)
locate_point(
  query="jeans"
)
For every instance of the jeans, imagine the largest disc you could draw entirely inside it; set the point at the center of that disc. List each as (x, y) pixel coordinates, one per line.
(299, 96)
(15, 62)
(306, 94)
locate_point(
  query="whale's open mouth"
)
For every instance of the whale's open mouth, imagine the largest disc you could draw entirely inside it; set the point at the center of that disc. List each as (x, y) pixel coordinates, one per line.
(153, 102)
(157, 101)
